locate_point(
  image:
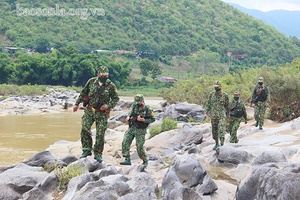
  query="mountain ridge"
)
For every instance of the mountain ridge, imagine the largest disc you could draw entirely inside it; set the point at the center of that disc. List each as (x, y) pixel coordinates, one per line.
(285, 21)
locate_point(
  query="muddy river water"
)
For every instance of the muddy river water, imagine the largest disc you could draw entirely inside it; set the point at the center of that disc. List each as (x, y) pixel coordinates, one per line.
(22, 136)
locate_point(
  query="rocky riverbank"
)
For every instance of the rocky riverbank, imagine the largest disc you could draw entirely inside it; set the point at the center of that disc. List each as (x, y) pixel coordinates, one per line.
(265, 164)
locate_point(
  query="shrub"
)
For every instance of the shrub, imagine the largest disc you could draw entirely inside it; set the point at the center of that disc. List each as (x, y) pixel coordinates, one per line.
(65, 174)
(155, 130)
(168, 124)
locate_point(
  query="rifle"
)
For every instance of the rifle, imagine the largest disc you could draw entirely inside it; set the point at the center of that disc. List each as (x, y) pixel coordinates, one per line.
(140, 125)
(260, 96)
(97, 105)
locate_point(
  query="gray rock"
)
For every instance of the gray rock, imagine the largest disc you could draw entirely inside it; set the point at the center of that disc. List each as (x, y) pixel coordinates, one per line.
(229, 154)
(267, 182)
(269, 157)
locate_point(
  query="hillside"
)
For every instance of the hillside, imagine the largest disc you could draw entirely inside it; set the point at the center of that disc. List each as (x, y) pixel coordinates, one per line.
(287, 22)
(205, 29)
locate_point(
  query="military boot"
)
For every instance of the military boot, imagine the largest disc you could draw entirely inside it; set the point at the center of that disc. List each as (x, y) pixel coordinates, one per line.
(222, 141)
(86, 153)
(145, 163)
(98, 158)
(126, 162)
(260, 127)
(256, 124)
(216, 145)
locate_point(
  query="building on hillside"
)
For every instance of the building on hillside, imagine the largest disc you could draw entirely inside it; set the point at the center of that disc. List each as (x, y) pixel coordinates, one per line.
(167, 79)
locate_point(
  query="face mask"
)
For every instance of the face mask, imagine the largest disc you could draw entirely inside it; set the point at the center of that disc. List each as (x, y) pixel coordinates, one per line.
(102, 80)
(236, 98)
(260, 83)
(217, 89)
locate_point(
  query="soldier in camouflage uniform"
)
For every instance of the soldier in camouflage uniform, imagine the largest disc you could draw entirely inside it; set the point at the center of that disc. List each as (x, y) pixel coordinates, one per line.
(260, 97)
(217, 109)
(237, 112)
(138, 118)
(99, 95)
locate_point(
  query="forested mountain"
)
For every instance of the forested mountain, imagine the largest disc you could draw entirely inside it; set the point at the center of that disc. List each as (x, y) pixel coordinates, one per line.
(285, 21)
(204, 31)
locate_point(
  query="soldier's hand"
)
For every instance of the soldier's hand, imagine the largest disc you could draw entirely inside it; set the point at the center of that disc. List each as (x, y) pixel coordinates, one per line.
(75, 108)
(140, 119)
(267, 104)
(127, 119)
(104, 107)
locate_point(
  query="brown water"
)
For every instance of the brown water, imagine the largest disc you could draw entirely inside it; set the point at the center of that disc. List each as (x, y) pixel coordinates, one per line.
(22, 136)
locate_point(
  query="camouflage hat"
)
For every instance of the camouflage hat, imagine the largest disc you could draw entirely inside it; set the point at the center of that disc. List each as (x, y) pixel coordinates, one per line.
(236, 93)
(217, 84)
(138, 98)
(103, 71)
(260, 79)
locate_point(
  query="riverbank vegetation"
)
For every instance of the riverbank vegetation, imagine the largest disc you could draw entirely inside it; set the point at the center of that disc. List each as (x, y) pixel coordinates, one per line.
(282, 81)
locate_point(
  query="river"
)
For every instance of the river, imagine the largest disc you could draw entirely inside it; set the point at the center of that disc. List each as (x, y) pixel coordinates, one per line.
(22, 136)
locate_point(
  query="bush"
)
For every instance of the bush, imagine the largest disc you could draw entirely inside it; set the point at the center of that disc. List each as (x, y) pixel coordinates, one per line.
(65, 174)
(155, 130)
(168, 124)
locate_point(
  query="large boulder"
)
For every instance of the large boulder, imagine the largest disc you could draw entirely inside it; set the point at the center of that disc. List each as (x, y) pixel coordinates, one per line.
(187, 179)
(268, 182)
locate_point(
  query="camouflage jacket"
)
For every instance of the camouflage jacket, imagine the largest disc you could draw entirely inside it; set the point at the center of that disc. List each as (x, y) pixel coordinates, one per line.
(217, 105)
(260, 90)
(144, 111)
(109, 96)
(238, 105)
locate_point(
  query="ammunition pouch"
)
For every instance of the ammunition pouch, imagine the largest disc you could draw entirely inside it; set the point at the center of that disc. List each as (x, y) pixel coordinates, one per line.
(237, 112)
(97, 105)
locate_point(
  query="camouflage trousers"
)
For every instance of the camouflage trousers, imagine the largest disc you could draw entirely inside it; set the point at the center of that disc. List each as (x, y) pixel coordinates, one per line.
(259, 112)
(139, 135)
(88, 118)
(233, 125)
(218, 128)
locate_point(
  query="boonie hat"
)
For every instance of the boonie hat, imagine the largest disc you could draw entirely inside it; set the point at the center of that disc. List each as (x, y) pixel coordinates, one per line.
(138, 98)
(103, 71)
(260, 79)
(217, 84)
(236, 93)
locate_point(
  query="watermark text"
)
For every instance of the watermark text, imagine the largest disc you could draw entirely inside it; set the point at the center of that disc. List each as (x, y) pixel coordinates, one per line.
(82, 13)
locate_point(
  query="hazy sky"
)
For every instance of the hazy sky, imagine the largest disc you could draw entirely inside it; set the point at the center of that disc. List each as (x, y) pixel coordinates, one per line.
(267, 5)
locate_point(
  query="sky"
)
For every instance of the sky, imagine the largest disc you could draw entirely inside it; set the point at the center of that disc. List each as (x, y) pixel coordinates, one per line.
(267, 5)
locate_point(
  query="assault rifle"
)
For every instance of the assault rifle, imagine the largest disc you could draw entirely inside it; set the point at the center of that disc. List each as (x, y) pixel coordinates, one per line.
(134, 122)
(98, 95)
(261, 96)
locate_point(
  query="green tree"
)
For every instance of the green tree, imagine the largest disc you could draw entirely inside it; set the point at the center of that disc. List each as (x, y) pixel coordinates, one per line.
(148, 67)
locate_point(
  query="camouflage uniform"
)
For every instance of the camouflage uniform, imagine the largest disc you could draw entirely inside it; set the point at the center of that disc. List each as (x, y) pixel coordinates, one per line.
(236, 119)
(217, 109)
(109, 96)
(138, 133)
(260, 106)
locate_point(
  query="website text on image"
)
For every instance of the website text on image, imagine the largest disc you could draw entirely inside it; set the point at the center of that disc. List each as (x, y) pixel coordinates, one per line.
(82, 13)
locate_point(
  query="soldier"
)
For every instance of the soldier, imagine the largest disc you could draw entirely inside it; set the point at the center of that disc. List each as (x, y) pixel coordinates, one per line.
(99, 95)
(217, 108)
(237, 113)
(260, 97)
(138, 118)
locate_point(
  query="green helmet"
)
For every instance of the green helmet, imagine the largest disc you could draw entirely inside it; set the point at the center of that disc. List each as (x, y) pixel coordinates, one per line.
(138, 98)
(103, 71)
